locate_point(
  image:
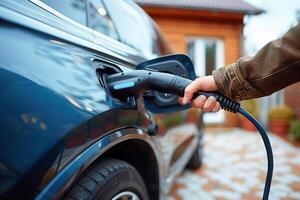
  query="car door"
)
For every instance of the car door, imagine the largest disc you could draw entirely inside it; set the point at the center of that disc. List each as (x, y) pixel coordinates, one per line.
(177, 130)
(112, 56)
(49, 58)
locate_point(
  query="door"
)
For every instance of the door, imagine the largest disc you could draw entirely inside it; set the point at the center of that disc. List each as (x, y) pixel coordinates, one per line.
(207, 55)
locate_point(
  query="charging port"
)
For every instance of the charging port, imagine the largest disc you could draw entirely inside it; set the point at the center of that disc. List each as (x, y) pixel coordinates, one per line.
(103, 71)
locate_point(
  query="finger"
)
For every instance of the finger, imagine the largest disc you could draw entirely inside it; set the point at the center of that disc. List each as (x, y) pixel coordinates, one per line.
(190, 90)
(199, 101)
(217, 107)
(180, 100)
(209, 104)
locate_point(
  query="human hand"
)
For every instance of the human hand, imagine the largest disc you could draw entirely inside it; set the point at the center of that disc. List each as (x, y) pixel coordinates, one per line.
(206, 83)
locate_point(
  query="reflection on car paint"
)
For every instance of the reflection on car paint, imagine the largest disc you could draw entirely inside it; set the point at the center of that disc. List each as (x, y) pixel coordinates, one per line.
(98, 127)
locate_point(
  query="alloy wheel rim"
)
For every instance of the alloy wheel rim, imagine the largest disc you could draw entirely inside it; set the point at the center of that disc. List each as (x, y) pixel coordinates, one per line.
(126, 195)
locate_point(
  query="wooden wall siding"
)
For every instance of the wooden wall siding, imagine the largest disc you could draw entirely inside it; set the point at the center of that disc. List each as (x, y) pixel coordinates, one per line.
(179, 25)
(178, 31)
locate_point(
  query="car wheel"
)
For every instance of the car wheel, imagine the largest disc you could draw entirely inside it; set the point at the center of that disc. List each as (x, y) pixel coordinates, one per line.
(109, 179)
(196, 159)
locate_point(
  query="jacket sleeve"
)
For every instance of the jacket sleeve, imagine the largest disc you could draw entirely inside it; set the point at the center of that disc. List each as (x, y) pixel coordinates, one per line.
(274, 67)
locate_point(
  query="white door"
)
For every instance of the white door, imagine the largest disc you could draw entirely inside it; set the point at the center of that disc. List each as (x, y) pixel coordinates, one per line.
(207, 54)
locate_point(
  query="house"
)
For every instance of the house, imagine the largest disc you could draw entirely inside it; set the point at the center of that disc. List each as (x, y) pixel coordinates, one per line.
(209, 31)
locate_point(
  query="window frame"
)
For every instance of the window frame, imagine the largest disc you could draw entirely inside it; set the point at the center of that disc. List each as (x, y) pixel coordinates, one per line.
(200, 66)
(60, 15)
(219, 53)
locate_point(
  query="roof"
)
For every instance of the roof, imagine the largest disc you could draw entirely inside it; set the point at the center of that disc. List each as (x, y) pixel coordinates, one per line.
(237, 6)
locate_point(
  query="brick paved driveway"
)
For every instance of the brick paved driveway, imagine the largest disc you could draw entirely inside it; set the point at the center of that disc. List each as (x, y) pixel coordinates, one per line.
(234, 167)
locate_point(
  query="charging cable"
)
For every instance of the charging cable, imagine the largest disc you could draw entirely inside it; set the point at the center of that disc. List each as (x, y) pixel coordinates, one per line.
(136, 82)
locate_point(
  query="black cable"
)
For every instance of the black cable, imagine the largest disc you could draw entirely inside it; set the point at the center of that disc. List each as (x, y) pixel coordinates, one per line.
(268, 147)
(233, 106)
(136, 82)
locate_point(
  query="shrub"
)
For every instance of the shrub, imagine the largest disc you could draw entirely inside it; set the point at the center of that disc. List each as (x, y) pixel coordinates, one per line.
(281, 113)
(294, 132)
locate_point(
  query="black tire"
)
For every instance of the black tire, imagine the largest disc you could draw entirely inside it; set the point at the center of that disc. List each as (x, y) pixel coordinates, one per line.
(106, 179)
(196, 159)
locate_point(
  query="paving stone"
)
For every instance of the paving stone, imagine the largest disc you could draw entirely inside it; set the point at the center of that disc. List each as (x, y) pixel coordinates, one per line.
(295, 195)
(234, 167)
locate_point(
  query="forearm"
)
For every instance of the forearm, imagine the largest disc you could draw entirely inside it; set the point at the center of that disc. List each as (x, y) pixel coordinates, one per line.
(274, 67)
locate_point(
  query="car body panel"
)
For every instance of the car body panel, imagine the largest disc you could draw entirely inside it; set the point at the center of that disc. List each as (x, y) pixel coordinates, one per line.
(54, 111)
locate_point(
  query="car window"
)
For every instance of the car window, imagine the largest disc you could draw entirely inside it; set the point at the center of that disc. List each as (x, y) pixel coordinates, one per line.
(99, 20)
(74, 9)
(134, 26)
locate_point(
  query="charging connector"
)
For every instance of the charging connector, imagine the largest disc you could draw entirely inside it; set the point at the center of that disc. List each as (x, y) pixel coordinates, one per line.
(134, 83)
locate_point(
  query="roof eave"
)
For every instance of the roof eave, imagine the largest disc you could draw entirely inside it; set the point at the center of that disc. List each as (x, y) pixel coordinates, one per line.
(245, 12)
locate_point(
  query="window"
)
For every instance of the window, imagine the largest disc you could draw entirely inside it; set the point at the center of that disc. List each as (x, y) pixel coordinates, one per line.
(207, 54)
(74, 9)
(134, 26)
(99, 20)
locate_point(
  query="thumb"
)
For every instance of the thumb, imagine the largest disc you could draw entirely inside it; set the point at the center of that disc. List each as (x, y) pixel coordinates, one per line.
(206, 83)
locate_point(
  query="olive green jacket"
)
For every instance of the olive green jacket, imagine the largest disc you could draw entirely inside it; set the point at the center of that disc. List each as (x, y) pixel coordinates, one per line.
(274, 67)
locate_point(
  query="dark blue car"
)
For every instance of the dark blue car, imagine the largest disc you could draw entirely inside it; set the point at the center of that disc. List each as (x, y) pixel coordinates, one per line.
(62, 135)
